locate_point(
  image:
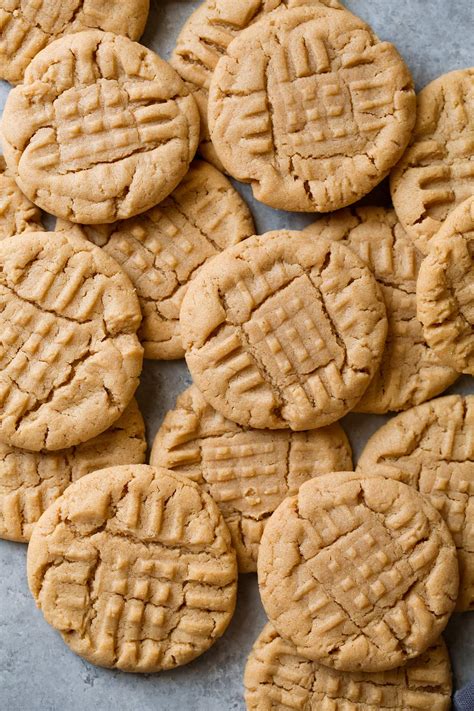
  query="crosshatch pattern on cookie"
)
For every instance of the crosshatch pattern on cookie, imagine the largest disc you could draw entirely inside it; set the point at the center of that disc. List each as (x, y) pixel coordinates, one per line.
(366, 567)
(431, 448)
(135, 568)
(311, 109)
(278, 678)
(247, 472)
(437, 171)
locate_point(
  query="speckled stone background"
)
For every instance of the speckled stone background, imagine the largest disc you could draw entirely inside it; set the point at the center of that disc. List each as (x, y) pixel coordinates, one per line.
(37, 671)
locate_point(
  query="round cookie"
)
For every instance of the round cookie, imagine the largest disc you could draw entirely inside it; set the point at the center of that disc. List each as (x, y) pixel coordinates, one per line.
(431, 448)
(284, 331)
(102, 129)
(311, 109)
(164, 248)
(359, 572)
(69, 355)
(247, 472)
(437, 171)
(27, 26)
(277, 678)
(410, 372)
(134, 566)
(445, 290)
(31, 481)
(17, 213)
(204, 39)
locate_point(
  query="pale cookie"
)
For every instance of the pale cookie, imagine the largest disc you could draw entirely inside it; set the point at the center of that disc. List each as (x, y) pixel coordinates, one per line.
(437, 171)
(359, 572)
(311, 109)
(134, 566)
(30, 482)
(101, 129)
(27, 26)
(204, 39)
(432, 448)
(445, 290)
(277, 678)
(284, 330)
(248, 472)
(69, 355)
(410, 372)
(17, 213)
(164, 248)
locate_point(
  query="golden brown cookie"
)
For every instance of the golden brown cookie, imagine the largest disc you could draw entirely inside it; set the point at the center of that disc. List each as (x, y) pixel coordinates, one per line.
(445, 290)
(247, 472)
(431, 447)
(310, 108)
(69, 355)
(27, 26)
(17, 213)
(277, 678)
(359, 572)
(134, 566)
(31, 481)
(101, 129)
(284, 330)
(437, 171)
(165, 247)
(204, 39)
(410, 372)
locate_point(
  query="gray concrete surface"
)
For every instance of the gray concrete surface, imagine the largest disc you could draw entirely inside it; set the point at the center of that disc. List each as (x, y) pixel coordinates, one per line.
(37, 671)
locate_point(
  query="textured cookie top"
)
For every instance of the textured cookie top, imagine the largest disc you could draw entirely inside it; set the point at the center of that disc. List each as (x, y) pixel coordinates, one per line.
(164, 248)
(27, 26)
(204, 39)
(248, 472)
(284, 330)
(277, 678)
(17, 213)
(437, 171)
(134, 566)
(101, 129)
(445, 290)
(31, 481)
(310, 108)
(359, 573)
(69, 355)
(431, 447)
(410, 372)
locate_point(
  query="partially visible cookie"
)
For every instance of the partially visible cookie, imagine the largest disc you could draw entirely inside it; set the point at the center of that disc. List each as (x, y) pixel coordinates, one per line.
(431, 447)
(445, 290)
(277, 678)
(359, 572)
(17, 213)
(133, 565)
(410, 372)
(165, 247)
(310, 108)
(284, 331)
(27, 26)
(247, 472)
(31, 481)
(437, 171)
(204, 39)
(102, 129)
(69, 355)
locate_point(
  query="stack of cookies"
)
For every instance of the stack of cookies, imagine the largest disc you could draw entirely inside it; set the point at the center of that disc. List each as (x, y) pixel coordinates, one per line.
(155, 255)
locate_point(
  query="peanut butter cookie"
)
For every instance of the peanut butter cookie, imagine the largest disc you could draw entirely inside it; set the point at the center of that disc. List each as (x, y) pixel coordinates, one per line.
(284, 330)
(101, 129)
(134, 566)
(359, 573)
(17, 213)
(247, 472)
